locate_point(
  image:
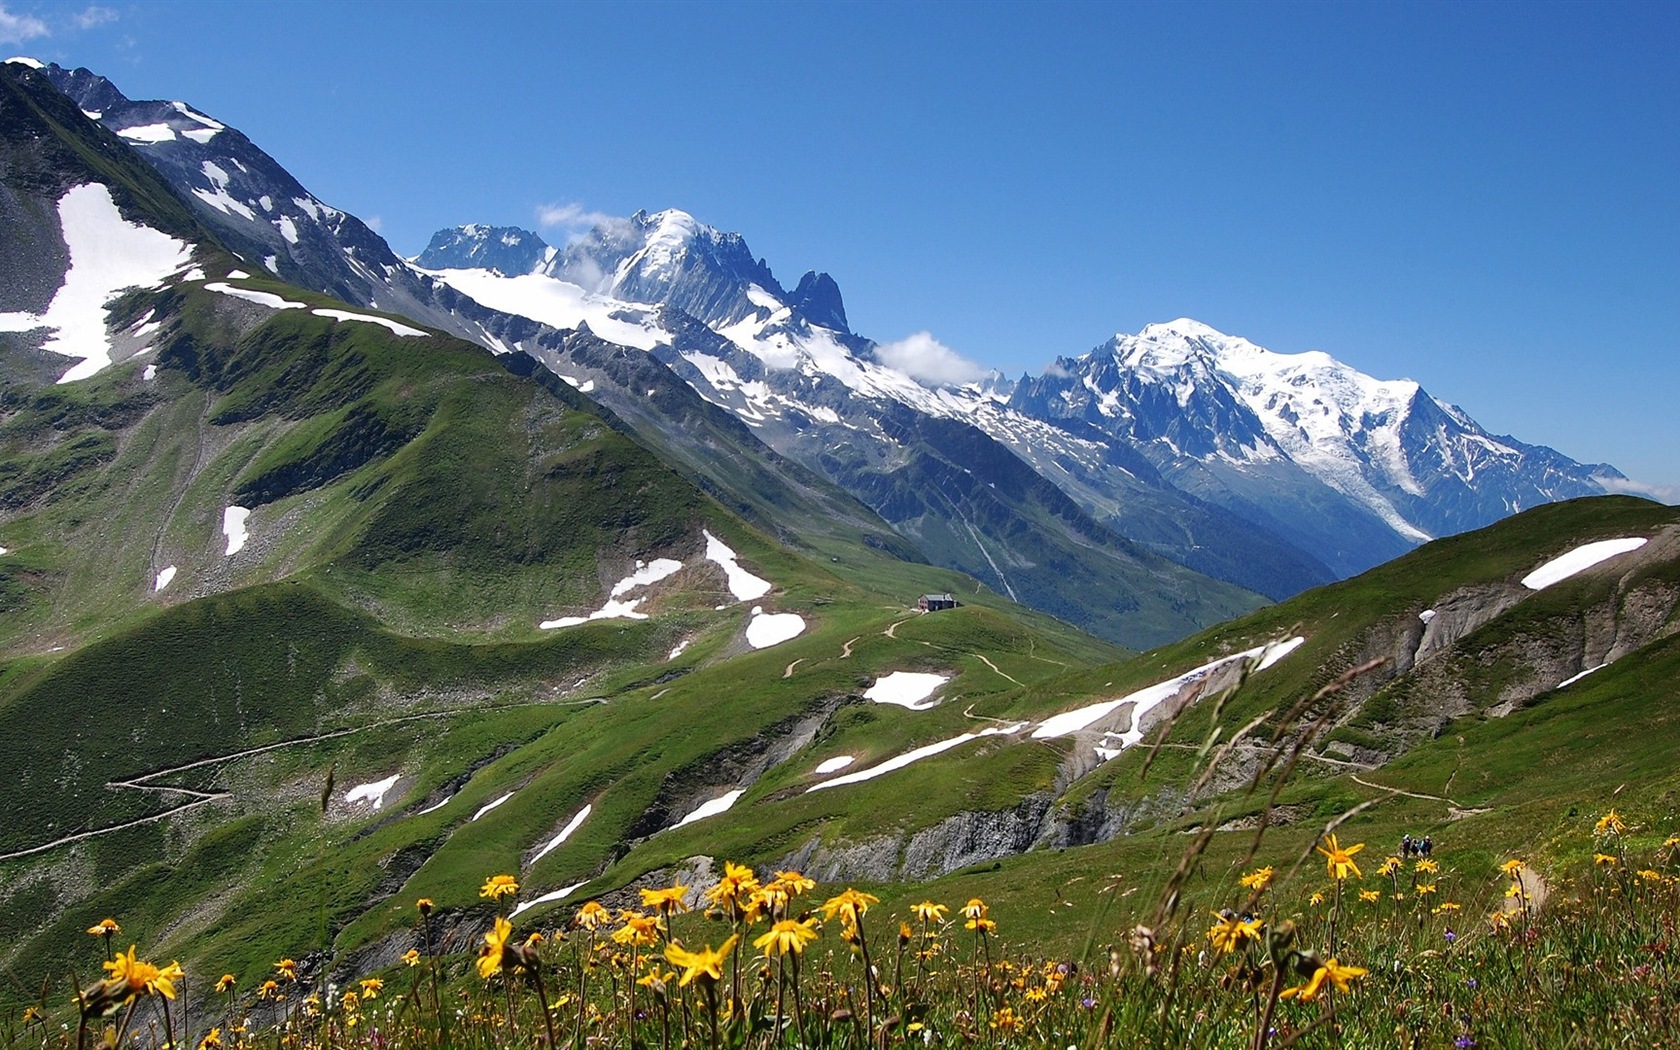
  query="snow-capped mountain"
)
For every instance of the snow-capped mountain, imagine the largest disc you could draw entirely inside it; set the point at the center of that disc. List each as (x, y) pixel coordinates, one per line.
(1283, 436)
(1180, 444)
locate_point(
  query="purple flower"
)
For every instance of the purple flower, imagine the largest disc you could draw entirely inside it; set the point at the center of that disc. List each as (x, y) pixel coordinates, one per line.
(1451, 936)
(1464, 1042)
(1088, 1002)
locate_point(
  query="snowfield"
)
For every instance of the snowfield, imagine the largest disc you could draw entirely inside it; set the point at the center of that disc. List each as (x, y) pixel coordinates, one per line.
(384, 322)
(163, 577)
(108, 254)
(1580, 559)
(742, 584)
(1149, 697)
(833, 765)
(767, 629)
(565, 833)
(559, 894)
(273, 302)
(373, 792)
(713, 808)
(233, 527)
(906, 689)
(900, 761)
(488, 806)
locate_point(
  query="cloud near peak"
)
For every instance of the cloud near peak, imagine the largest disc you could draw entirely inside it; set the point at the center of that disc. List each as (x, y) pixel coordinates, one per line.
(570, 217)
(925, 358)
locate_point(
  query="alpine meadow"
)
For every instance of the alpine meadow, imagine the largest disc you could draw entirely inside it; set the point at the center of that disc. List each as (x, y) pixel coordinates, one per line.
(591, 640)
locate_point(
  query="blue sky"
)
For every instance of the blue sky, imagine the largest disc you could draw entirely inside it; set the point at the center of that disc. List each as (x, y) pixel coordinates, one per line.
(1484, 198)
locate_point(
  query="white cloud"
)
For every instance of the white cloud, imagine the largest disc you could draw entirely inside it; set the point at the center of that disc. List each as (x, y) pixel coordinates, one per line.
(923, 357)
(374, 223)
(15, 29)
(1669, 494)
(94, 16)
(570, 217)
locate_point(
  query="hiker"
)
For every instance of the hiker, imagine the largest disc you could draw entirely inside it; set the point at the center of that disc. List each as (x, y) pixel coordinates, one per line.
(1428, 845)
(1406, 845)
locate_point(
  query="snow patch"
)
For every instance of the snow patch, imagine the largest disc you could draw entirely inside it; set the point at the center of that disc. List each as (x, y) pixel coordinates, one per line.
(742, 584)
(150, 134)
(565, 832)
(386, 322)
(25, 60)
(488, 806)
(712, 808)
(149, 374)
(107, 255)
(1579, 560)
(1146, 699)
(675, 651)
(906, 689)
(647, 573)
(833, 765)
(900, 761)
(767, 629)
(273, 302)
(1572, 679)
(558, 894)
(163, 577)
(233, 527)
(374, 792)
(1426, 615)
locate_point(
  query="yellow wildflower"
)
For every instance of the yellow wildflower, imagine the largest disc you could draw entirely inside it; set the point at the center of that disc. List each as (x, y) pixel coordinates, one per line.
(1231, 930)
(1604, 859)
(705, 964)
(212, 1040)
(1389, 866)
(638, 929)
(794, 883)
(1258, 879)
(132, 976)
(592, 916)
(1339, 860)
(666, 900)
(927, 911)
(1330, 970)
(1316, 899)
(371, 987)
(286, 969)
(1426, 866)
(104, 928)
(493, 954)
(411, 957)
(425, 905)
(498, 886)
(974, 909)
(787, 935)
(1369, 895)
(1424, 889)
(1510, 868)
(1609, 824)
(849, 904)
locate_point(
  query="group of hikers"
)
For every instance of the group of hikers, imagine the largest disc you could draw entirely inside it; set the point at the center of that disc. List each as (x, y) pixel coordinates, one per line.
(1410, 847)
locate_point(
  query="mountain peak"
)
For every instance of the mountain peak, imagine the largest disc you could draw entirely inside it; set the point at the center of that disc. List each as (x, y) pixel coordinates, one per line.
(476, 246)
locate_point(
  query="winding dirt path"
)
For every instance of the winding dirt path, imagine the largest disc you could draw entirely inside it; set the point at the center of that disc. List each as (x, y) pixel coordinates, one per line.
(987, 661)
(789, 672)
(1453, 806)
(846, 650)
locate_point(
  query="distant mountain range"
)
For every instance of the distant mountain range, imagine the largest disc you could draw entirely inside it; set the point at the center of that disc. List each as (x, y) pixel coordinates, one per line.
(1156, 484)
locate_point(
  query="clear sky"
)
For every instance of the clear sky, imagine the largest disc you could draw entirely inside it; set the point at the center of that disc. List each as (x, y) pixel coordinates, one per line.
(1482, 197)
